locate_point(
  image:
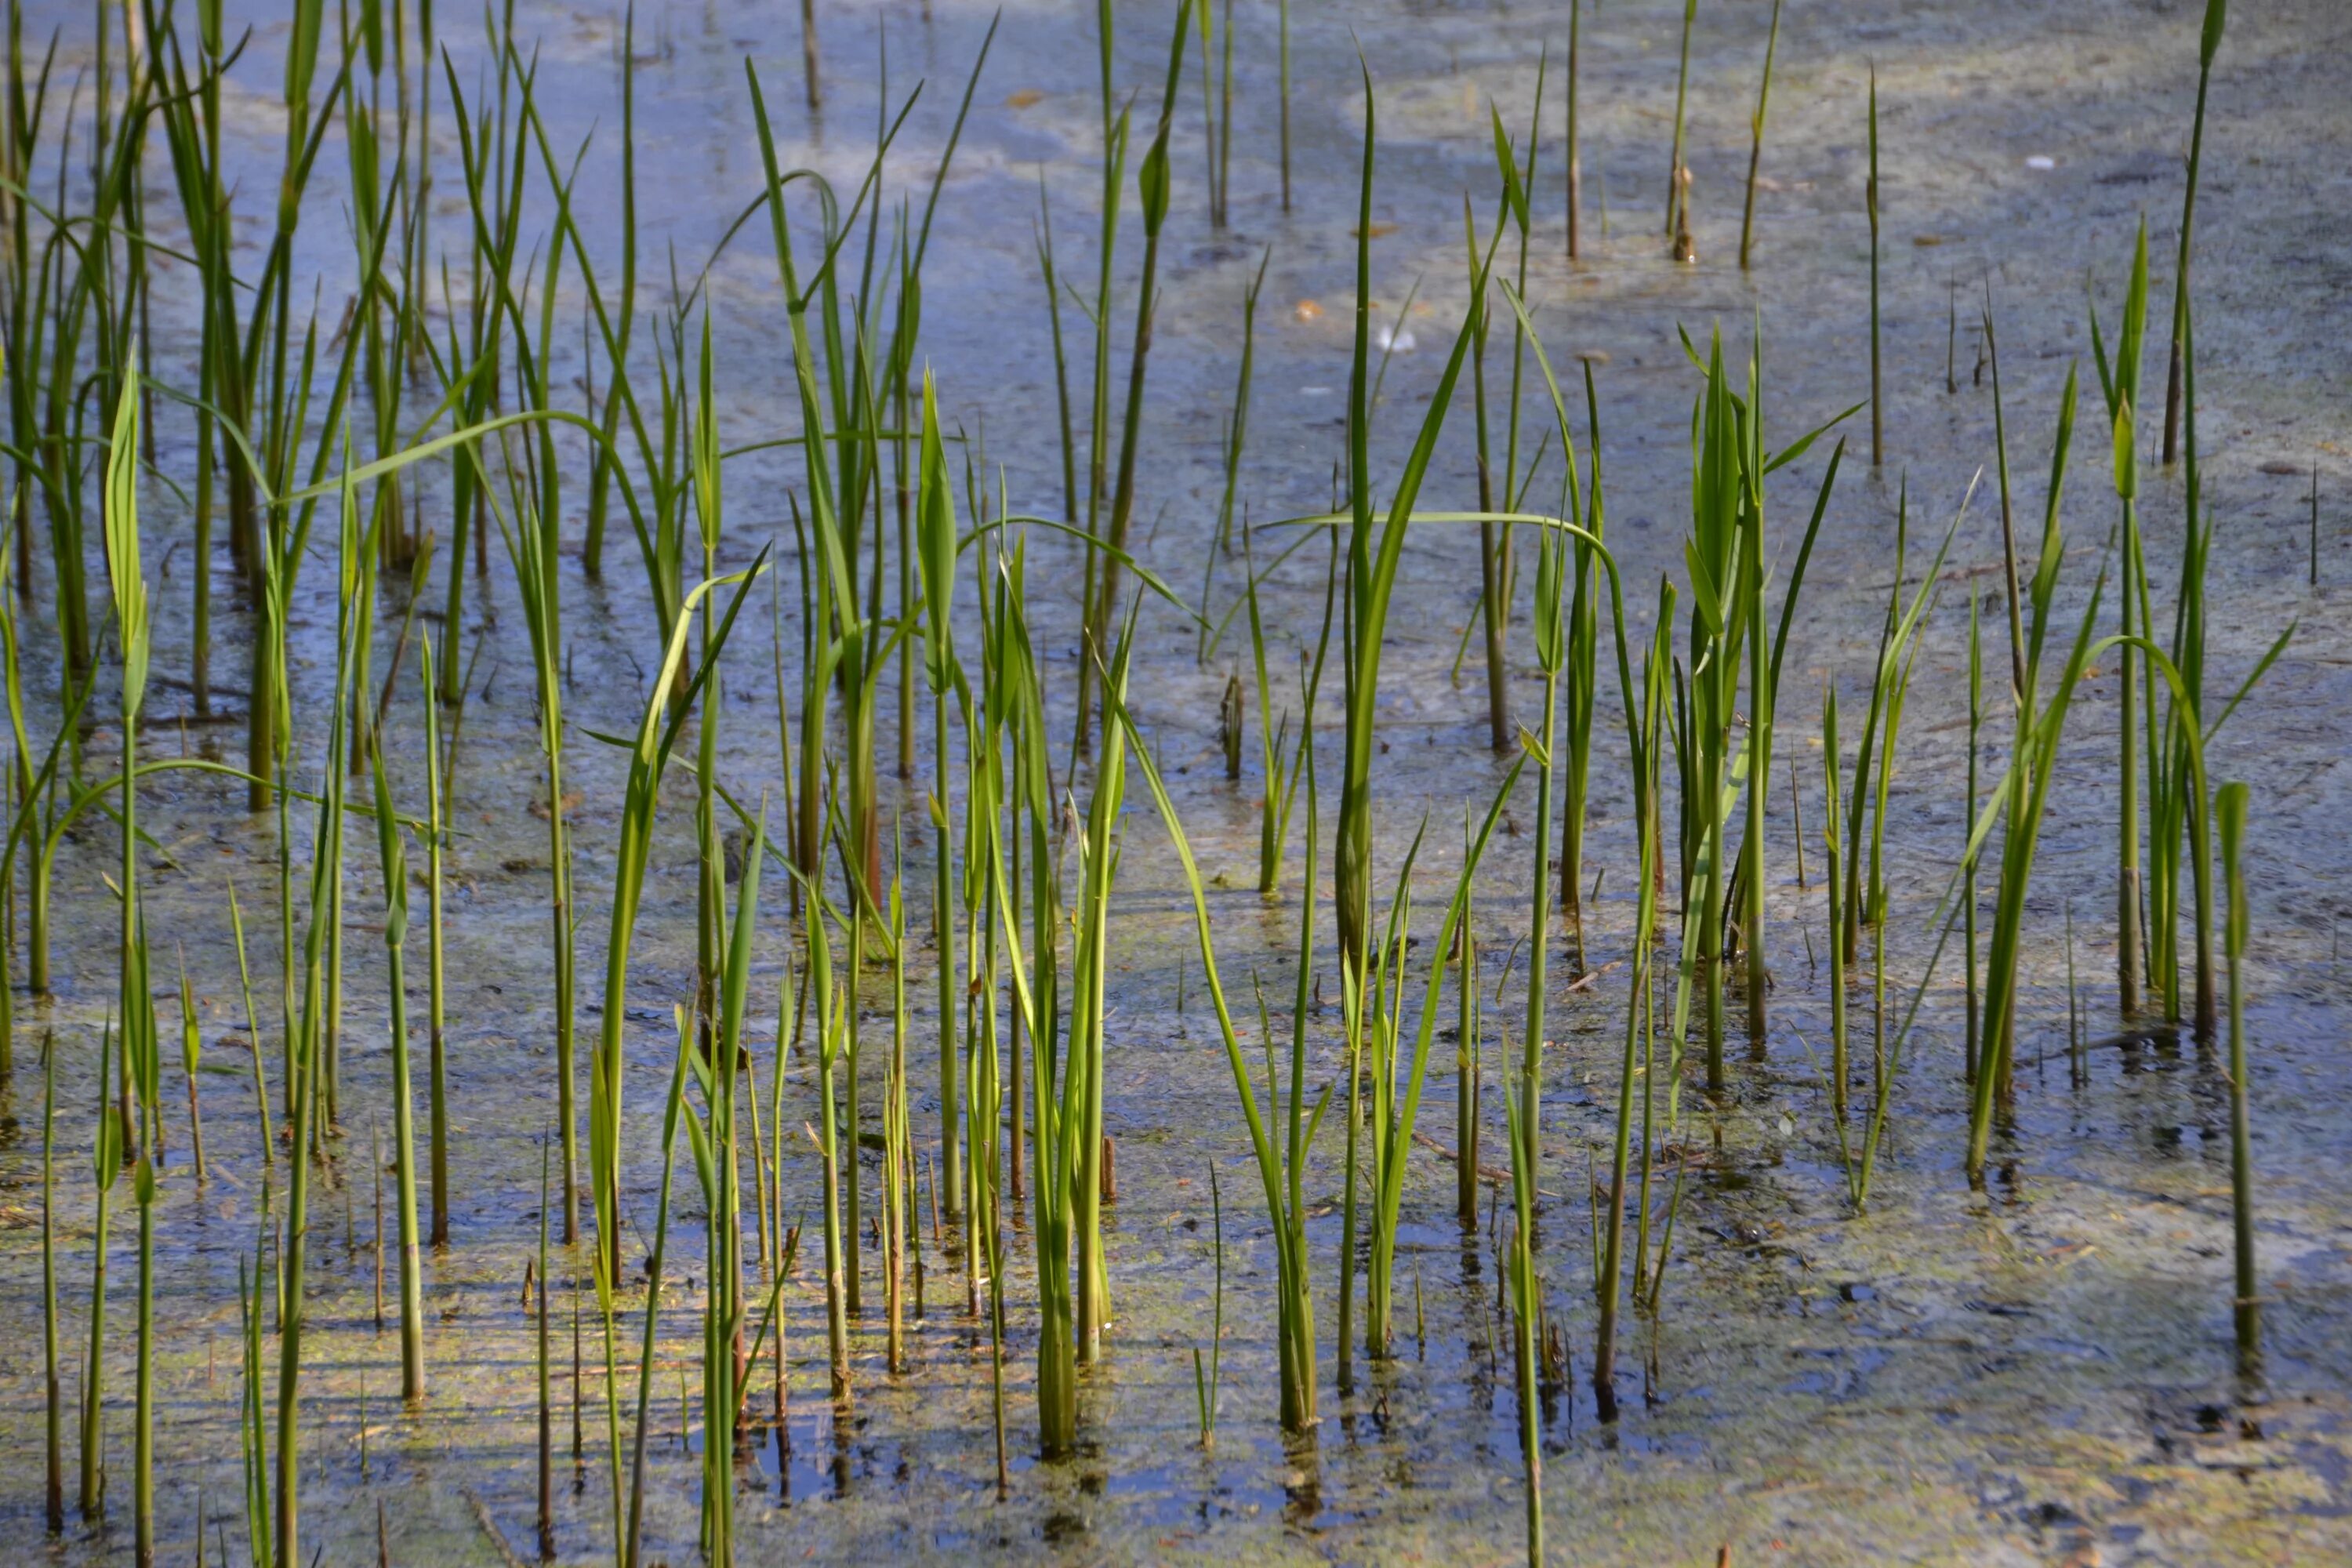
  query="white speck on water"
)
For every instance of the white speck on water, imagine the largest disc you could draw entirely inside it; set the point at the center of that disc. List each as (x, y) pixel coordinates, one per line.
(1314, 392)
(2040, 161)
(1400, 342)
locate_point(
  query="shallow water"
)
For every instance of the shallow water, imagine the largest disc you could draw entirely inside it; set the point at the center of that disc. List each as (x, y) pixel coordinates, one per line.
(2038, 1373)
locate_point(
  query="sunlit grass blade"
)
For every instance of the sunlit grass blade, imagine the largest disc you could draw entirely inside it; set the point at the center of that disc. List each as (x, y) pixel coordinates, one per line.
(1756, 136)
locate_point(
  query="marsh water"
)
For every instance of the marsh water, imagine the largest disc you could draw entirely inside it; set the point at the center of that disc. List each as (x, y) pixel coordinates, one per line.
(2040, 1371)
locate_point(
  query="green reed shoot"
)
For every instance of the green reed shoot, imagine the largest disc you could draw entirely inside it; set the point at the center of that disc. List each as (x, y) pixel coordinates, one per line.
(711, 887)
(260, 369)
(252, 1035)
(813, 86)
(52, 1387)
(1583, 634)
(826, 999)
(1282, 10)
(1725, 535)
(1036, 986)
(2193, 739)
(1004, 706)
(2167, 774)
(1644, 733)
(717, 1161)
(532, 539)
(384, 345)
(27, 96)
(1525, 1296)
(538, 1323)
(106, 1165)
(1518, 184)
(1061, 360)
(2023, 795)
(838, 492)
(289, 514)
(1282, 763)
(1551, 644)
(985, 723)
(897, 398)
(1379, 1007)
(394, 859)
(2209, 44)
(192, 1042)
(649, 759)
(1372, 559)
(39, 821)
(437, 1069)
(1870, 202)
(1756, 136)
(1224, 110)
(1115, 133)
(1972, 1023)
(2229, 805)
(252, 1430)
(1236, 437)
(1217, 106)
(1573, 641)
(628, 1556)
(897, 1133)
(1764, 683)
(1495, 548)
(1675, 174)
(2121, 383)
(494, 197)
(1469, 1066)
(936, 538)
(1072, 1289)
(1152, 185)
(1864, 901)
(142, 1054)
(305, 1052)
(1207, 1382)
(25, 793)
(1080, 1123)
(354, 632)
(763, 1208)
(838, 478)
(1833, 854)
(997, 784)
(2075, 1063)
(2175, 814)
(1723, 555)
(192, 126)
(1726, 543)
(1572, 157)
(1281, 1166)
(89, 301)
(1864, 890)
(599, 472)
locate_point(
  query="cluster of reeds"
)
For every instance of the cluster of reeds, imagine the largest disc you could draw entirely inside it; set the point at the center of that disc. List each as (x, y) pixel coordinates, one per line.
(399, 412)
(1724, 554)
(1857, 875)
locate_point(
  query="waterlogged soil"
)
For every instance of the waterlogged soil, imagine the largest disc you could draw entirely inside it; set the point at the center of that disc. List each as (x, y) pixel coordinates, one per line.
(2038, 1372)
